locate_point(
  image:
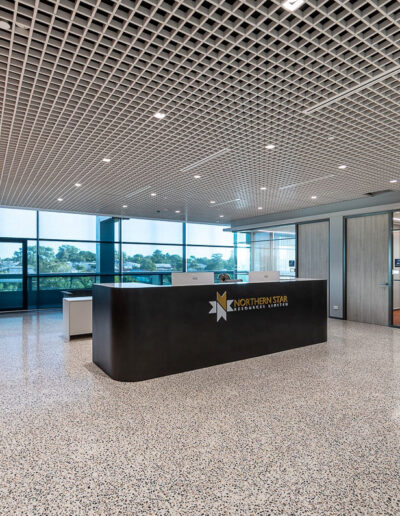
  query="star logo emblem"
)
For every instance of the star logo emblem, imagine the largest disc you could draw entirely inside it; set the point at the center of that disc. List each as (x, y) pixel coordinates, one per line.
(221, 306)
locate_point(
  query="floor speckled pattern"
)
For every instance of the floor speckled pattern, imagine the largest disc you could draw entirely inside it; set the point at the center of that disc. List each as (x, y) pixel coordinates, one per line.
(312, 431)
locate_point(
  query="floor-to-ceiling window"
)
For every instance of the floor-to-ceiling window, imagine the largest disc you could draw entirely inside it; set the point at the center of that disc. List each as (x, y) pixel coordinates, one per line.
(70, 252)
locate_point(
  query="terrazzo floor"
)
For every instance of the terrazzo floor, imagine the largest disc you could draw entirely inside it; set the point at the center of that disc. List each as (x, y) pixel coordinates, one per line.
(312, 431)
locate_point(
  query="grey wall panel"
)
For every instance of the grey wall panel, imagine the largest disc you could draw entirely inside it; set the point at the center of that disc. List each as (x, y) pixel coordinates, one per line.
(367, 269)
(313, 250)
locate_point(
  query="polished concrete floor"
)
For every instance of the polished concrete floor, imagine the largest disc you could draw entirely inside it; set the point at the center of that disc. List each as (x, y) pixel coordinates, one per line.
(312, 431)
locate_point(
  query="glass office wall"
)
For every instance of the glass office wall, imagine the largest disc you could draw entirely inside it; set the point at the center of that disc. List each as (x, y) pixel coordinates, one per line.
(70, 252)
(396, 268)
(271, 249)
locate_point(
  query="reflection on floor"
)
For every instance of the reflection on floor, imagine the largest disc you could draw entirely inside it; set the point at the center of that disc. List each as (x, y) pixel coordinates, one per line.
(396, 317)
(308, 431)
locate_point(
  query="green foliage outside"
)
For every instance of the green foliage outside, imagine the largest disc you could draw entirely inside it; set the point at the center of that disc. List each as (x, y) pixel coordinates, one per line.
(70, 259)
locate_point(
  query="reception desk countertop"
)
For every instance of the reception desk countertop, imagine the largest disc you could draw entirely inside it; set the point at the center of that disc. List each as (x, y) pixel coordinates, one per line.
(142, 331)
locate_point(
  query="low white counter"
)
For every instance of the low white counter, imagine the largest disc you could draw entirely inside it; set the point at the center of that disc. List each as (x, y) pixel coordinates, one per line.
(77, 316)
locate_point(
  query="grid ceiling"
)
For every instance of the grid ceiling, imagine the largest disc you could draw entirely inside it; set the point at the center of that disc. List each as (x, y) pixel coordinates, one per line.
(80, 81)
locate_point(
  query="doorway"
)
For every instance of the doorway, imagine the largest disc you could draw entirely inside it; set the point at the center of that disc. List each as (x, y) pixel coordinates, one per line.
(367, 269)
(13, 274)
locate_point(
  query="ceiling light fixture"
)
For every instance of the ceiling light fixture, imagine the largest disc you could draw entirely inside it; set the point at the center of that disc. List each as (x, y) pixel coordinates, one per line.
(259, 208)
(204, 160)
(5, 25)
(177, 211)
(292, 5)
(263, 188)
(294, 185)
(393, 181)
(270, 146)
(106, 160)
(60, 199)
(153, 194)
(159, 115)
(124, 205)
(78, 185)
(221, 216)
(212, 202)
(342, 167)
(313, 197)
(227, 202)
(197, 176)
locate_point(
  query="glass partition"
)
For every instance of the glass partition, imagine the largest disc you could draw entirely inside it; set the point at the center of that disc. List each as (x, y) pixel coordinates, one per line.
(396, 268)
(271, 249)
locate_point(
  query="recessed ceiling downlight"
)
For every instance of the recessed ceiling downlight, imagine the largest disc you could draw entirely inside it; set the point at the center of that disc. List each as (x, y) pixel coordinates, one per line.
(197, 176)
(393, 181)
(263, 188)
(313, 197)
(78, 185)
(259, 208)
(221, 216)
(342, 167)
(153, 194)
(106, 160)
(292, 5)
(177, 211)
(60, 199)
(124, 205)
(270, 146)
(159, 115)
(212, 202)
(5, 25)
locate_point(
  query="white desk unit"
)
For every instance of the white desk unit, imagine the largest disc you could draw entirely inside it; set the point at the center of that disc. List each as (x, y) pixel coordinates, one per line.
(263, 276)
(77, 316)
(192, 278)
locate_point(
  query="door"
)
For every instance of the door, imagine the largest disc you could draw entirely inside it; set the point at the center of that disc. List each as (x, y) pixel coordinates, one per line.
(367, 269)
(13, 274)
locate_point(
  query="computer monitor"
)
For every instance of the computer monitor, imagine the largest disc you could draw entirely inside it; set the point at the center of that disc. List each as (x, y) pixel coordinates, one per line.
(192, 278)
(264, 276)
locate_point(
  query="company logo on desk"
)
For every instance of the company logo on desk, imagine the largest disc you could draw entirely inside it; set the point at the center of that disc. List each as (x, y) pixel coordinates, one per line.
(222, 305)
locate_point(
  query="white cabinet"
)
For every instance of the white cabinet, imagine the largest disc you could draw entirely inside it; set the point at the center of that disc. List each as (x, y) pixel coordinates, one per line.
(77, 316)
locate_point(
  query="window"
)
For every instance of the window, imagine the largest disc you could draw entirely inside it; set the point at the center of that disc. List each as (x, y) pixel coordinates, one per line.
(73, 251)
(210, 259)
(17, 223)
(151, 258)
(67, 257)
(151, 231)
(68, 226)
(207, 234)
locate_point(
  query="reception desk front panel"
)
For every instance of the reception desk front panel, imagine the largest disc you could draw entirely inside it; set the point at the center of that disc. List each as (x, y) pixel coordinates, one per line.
(142, 332)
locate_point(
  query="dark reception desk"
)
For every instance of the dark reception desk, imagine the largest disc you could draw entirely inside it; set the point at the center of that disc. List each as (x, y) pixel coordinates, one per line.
(144, 331)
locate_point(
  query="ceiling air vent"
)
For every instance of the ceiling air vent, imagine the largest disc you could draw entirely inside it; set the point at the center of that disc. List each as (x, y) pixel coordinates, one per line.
(378, 192)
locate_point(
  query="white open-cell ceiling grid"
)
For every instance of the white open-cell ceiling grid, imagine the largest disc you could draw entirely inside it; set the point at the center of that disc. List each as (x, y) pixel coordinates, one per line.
(81, 81)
